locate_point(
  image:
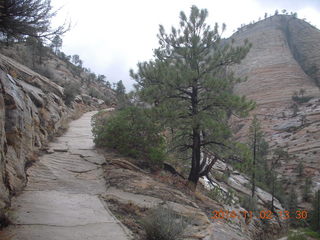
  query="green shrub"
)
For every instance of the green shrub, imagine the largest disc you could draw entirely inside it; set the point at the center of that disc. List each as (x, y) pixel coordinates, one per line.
(216, 194)
(302, 99)
(163, 224)
(131, 132)
(313, 234)
(296, 236)
(70, 91)
(249, 203)
(94, 93)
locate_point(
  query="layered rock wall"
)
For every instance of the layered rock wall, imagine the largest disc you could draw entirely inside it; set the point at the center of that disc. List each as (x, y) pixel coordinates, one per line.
(283, 50)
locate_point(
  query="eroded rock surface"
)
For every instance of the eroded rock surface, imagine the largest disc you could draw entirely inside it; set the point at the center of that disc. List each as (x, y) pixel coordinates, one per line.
(284, 59)
(62, 197)
(132, 193)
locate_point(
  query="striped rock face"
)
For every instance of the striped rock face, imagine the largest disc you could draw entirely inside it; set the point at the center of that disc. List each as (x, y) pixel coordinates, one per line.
(284, 59)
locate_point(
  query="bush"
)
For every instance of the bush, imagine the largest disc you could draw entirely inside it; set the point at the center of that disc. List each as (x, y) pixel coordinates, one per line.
(299, 97)
(249, 203)
(163, 224)
(311, 233)
(216, 194)
(302, 99)
(70, 91)
(94, 93)
(296, 236)
(131, 132)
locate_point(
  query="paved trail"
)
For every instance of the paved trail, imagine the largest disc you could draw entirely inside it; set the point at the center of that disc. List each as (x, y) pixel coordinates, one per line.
(61, 200)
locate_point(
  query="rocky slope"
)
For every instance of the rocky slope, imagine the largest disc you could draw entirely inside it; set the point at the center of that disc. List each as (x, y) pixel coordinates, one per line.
(32, 111)
(59, 69)
(284, 58)
(133, 193)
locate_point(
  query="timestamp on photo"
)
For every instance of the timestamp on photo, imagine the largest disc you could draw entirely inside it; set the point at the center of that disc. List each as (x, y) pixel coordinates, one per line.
(261, 214)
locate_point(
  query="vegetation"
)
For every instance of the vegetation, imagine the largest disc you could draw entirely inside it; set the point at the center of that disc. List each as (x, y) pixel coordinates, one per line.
(262, 171)
(249, 203)
(70, 91)
(164, 224)
(296, 236)
(299, 97)
(315, 213)
(132, 132)
(191, 90)
(306, 193)
(20, 18)
(122, 98)
(258, 147)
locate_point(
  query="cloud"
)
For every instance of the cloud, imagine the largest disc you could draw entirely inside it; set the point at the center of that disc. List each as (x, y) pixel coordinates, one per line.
(113, 36)
(290, 4)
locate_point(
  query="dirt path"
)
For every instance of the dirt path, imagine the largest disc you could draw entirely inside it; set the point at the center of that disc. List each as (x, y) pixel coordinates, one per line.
(61, 200)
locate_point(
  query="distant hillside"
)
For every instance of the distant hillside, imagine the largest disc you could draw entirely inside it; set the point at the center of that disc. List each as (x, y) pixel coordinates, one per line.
(60, 69)
(283, 73)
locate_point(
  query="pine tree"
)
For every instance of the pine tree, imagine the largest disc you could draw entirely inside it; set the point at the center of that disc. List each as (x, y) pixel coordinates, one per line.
(259, 150)
(120, 88)
(315, 214)
(191, 89)
(121, 95)
(20, 18)
(108, 84)
(56, 44)
(76, 59)
(276, 187)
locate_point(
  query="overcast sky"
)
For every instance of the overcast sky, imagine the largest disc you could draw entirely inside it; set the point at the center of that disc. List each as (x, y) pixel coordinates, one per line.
(112, 36)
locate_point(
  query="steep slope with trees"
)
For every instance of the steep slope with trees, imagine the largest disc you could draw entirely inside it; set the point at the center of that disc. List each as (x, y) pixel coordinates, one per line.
(282, 77)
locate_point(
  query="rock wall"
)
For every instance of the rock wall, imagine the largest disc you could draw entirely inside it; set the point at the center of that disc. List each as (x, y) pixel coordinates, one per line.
(32, 110)
(283, 49)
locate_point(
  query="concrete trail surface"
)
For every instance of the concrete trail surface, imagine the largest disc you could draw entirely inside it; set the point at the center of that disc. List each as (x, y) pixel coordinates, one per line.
(61, 200)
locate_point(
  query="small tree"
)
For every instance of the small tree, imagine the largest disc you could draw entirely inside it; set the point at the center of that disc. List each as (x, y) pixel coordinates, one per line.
(279, 154)
(292, 204)
(315, 213)
(56, 44)
(300, 169)
(306, 194)
(121, 95)
(108, 84)
(76, 59)
(259, 150)
(120, 88)
(190, 86)
(101, 78)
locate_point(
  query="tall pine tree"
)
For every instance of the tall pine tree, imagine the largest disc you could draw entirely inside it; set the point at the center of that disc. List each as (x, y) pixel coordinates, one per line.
(190, 86)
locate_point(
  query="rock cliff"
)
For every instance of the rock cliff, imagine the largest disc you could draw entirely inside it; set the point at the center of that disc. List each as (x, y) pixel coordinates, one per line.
(32, 111)
(284, 59)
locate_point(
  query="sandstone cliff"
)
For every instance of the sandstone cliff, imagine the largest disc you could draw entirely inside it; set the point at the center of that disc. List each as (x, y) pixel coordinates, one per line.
(32, 111)
(284, 58)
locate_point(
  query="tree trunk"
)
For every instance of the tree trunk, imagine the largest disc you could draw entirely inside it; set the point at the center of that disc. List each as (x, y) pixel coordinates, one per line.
(196, 157)
(273, 190)
(196, 141)
(254, 164)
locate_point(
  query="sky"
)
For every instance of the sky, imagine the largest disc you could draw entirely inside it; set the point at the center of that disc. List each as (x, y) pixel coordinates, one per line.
(112, 36)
